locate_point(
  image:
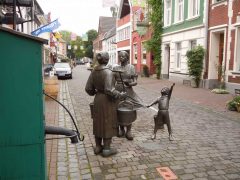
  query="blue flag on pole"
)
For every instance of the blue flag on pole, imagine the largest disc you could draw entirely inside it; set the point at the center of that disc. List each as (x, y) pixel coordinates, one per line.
(46, 28)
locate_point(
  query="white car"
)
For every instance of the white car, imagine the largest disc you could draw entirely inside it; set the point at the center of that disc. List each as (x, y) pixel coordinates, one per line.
(62, 70)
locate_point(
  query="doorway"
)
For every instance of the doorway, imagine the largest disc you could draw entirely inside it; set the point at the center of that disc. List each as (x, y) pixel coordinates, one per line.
(217, 55)
(220, 56)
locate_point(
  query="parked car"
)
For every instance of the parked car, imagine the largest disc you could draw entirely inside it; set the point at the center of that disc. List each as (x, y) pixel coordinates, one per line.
(79, 62)
(47, 68)
(62, 70)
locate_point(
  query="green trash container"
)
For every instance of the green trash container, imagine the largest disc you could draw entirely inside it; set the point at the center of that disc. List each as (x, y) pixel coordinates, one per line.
(22, 146)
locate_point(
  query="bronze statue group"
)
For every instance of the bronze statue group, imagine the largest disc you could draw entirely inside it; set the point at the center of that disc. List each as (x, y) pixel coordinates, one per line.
(112, 86)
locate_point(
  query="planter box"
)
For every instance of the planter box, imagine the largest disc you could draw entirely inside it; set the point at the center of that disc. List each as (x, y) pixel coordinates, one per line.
(51, 86)
(238, 108)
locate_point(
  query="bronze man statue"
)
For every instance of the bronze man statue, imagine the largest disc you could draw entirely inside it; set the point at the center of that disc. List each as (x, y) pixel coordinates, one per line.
(101, 84)
(129, 78)
(162, 117)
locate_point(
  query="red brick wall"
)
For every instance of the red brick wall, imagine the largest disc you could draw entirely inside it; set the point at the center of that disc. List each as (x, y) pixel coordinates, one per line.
(236, 10)
(124, 20)
(218, 15)
(149, 62)
(137, 40)
(123, 43)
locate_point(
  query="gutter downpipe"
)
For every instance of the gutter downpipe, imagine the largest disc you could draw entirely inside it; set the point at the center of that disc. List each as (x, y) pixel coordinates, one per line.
(206, 41)
(131, 19)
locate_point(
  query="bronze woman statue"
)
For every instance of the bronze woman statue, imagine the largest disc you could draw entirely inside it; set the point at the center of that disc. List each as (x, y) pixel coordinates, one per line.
(129, 78)
(101, 84)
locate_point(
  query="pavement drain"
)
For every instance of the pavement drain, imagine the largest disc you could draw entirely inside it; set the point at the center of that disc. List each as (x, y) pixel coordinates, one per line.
(166, 173)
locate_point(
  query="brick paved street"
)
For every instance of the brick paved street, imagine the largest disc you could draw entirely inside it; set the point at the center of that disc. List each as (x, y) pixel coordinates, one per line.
(207, 144)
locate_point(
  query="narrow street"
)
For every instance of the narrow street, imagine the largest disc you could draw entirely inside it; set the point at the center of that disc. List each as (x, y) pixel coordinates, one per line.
(206, 147)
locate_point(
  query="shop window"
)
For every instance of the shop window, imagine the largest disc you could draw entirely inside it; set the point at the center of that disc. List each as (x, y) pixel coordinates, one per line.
(193, 44)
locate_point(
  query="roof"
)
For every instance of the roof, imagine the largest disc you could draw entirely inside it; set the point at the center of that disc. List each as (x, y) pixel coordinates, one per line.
(110, 33)
(20, 34)
(124, 8)
(106, 23)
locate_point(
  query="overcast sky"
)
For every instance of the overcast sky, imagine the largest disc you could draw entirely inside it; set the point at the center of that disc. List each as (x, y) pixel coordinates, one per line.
(77, 16)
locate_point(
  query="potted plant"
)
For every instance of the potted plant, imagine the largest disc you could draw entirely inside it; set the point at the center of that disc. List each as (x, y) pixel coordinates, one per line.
(221, 73)
(234, 104)
(195, 58)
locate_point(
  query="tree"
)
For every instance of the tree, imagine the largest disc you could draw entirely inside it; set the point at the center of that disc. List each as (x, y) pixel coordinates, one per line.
(154, 44)
(66, 35)
(84, 48)
(92, 34)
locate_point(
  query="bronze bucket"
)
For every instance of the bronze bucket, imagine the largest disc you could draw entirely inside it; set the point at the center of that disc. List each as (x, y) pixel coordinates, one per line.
(126, 113)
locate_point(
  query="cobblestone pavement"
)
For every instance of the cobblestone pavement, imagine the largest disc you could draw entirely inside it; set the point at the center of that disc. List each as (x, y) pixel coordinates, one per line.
(207, 144)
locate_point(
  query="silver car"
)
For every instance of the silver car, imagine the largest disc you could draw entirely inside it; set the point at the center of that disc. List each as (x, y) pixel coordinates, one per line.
(62, 70)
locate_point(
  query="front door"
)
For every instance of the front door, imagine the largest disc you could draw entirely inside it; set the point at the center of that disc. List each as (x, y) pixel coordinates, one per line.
(220, 59)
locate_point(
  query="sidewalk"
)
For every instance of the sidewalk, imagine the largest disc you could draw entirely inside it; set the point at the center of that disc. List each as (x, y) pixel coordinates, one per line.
(207, 144)
(199, 96)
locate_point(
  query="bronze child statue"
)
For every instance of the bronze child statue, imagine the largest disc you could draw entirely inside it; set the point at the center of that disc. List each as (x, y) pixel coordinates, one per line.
(162, 117)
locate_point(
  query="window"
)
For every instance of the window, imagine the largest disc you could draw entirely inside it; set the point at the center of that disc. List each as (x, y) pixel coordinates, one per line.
(193, 44)
(193, 8)
(167, 13)
(135, 49)
(237, 58)
(178, 56)
(179, 11)
(144, 54)
(123, 34)
(216, 1)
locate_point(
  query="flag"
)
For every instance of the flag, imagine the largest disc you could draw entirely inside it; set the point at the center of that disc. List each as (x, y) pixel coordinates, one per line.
(108, 3)
(84, 37)
(46, 28)
(57, 35)
(73, 37)
(141, 3)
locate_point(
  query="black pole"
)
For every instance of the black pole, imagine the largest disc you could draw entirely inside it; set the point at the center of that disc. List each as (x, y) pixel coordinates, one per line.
(14, 14)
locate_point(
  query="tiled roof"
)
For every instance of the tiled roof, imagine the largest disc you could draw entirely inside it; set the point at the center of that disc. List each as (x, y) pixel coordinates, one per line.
(105, 24)
(110, 33)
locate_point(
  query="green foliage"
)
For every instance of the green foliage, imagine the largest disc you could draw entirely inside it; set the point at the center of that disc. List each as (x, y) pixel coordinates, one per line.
(195, 63)
(220, 91)
(87, 46)
(145, 70)
(92, 34)
(66, 35)
(232, 105)
(154, 44)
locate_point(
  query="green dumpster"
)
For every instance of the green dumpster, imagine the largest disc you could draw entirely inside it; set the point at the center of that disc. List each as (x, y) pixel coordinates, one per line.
(22, 146)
